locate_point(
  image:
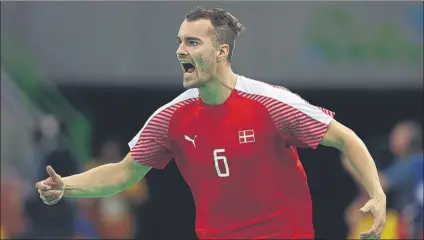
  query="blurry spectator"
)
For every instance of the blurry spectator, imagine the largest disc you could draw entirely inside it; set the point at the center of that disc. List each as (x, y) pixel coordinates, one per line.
(113, 216)
(52, 221)
(357, 222)
(2, 233)
(403, 178)
(11, 205)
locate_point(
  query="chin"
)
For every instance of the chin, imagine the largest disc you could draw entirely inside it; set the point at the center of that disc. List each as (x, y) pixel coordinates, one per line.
(191, 83)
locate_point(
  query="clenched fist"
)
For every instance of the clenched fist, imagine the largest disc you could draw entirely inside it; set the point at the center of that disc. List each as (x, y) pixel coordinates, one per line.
(51, 190)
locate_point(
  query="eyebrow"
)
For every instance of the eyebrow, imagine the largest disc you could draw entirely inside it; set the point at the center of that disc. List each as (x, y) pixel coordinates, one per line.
(190, 39)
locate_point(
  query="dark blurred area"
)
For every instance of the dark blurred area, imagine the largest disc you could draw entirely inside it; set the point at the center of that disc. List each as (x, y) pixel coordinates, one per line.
(78, 84)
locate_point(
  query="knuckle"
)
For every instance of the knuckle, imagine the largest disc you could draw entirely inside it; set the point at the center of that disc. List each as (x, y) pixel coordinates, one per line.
(50, 201)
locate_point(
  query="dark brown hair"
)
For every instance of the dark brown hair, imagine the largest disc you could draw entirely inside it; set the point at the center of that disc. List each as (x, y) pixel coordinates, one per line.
(226, 28)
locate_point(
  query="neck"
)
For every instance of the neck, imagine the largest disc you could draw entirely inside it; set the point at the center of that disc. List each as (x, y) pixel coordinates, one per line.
(215, 91)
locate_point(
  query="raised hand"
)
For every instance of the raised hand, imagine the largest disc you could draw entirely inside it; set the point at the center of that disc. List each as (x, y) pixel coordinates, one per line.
(51, 190)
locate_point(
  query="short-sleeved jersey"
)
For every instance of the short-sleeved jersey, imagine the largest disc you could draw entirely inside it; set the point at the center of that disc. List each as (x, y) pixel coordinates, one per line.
(239, 158)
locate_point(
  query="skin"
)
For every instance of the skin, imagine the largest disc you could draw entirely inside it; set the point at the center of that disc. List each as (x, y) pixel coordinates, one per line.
(215, 81)
(213, 75)
(399, 140)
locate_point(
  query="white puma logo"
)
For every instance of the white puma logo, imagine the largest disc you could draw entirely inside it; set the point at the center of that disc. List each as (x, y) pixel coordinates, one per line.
(191, 140)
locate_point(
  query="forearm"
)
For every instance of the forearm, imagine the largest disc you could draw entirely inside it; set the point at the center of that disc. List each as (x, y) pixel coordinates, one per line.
(352, 172)
(355, 175)
(101, 181)
(364, 169)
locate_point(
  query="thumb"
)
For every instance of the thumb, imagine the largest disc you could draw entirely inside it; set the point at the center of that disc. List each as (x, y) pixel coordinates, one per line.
(366, 208)
(52, 173)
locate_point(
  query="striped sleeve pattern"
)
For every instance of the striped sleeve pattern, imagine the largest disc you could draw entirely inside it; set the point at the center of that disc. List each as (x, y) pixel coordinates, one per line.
(301, 124)
(151, 146)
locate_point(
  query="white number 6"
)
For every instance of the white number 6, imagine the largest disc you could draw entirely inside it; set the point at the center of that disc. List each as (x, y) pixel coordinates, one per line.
(216, 158)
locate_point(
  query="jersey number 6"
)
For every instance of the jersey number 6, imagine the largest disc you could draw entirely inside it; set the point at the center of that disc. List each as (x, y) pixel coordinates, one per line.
(218, 158)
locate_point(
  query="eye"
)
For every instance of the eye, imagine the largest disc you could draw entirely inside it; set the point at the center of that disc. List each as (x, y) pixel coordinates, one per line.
(193, 43)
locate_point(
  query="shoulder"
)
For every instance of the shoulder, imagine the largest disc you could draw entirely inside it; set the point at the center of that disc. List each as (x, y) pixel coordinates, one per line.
(184, 99)
(250, 87)
(159, 122)
(163, 115)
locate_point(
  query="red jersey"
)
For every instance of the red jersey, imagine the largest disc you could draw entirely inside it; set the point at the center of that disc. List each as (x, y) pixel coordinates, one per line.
(239, 158)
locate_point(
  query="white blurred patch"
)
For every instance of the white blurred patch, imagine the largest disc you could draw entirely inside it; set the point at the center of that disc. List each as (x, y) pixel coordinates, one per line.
(50, 126)
(419, 193)
(113, 208)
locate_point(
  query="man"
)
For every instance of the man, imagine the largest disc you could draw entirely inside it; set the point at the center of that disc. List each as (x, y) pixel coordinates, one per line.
(403, 177)
(234, 140)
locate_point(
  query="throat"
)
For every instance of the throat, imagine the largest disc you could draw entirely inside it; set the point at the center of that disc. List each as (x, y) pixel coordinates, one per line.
(215, 92)
(210, 98)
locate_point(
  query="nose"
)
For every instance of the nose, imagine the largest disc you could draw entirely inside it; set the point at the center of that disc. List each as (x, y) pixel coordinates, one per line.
(181, 51)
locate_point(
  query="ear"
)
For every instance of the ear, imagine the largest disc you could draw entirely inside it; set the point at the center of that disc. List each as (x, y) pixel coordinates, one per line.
(222, 52)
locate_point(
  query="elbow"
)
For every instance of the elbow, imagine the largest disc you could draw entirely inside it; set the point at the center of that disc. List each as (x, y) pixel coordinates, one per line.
(131, 172)
(339, 136)
(346, 140)
(120, 179)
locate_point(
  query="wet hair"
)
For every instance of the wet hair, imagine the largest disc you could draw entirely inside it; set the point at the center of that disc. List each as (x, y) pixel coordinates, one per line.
(226, 28)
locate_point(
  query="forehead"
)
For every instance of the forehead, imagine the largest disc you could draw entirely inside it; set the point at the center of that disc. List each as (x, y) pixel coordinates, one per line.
(401, 130)
(199, 28)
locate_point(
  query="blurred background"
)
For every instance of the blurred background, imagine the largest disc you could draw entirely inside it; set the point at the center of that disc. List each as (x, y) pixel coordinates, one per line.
(79, 79)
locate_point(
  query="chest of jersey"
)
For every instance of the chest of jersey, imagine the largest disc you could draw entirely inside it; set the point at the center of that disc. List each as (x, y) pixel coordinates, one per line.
(224, 141)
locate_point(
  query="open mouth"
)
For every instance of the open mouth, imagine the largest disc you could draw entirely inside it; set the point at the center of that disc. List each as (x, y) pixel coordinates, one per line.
(188, 67)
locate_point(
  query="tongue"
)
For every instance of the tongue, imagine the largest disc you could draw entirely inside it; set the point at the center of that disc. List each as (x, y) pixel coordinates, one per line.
(190, 70)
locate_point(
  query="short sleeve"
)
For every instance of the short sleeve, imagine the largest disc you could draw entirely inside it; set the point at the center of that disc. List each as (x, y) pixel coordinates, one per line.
(151, 146)
(299, 122)
(152, 152)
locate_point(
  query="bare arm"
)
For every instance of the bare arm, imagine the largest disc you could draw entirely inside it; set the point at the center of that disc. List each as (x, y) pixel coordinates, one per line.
(105, 180)
(352, 215)
(362, 165)
(349, 168)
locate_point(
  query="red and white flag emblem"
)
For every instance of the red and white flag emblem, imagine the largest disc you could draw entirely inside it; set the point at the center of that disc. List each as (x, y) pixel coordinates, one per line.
(246, 136)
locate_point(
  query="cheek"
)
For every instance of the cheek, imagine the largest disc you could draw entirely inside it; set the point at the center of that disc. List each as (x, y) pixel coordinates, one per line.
(202, 63)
